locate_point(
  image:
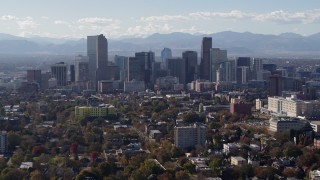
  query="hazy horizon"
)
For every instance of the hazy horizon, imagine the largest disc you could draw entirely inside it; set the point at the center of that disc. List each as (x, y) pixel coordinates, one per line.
(79, 18)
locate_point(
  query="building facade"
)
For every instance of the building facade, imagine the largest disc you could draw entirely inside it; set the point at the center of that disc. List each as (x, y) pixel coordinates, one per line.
(206, 45)
(190, 136)
(102, 110)
(59, 71)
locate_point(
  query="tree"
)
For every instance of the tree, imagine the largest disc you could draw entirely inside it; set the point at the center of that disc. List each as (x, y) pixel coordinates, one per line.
(182, 175)
(191, 168)
(192, 117)
(275, 152)
(36, 175)
(216, 164)
(107, 168)
(3, 163)
(291, 150)
(264, 172)
(165, 176)
(14, 140)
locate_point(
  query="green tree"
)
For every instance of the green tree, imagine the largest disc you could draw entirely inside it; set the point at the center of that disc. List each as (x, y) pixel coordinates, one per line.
(216, 164)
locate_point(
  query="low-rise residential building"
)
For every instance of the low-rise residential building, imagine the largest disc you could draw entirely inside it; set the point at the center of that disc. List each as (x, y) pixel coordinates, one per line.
(238, 161)
(314, 175)
(315, 126)
(155, 135)
(253, 161)
(316, 143)
(229, 148)
(94, 111)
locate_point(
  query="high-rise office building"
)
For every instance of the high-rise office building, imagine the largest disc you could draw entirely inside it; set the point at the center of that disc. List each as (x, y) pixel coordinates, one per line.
(148, 58)
(206, 45)
(135, 69)
(166, 53)
(243, 70)
(72, 73)
(175, 69)
(190, 136)
(97, 51)
(81, 68)
(217, 56)
(226, 71)
(243, 61)
(257, 66)
(34, 76)
(276, 85)
(243, 74)
(191, 65)
(122, 63)
(59, 71)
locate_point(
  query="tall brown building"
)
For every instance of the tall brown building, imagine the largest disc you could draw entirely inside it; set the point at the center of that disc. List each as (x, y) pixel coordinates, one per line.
(205, 58)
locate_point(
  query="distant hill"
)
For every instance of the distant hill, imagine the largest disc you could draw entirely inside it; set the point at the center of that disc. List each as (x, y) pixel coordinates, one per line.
(237, 44)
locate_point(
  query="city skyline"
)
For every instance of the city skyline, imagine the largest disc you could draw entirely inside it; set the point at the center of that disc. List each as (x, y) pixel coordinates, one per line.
(115, 19)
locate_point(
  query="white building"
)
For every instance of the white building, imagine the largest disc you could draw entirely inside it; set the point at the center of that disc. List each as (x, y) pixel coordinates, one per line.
(315, 126)
(279, 124)
(314, 175)
(190, 136)
(293, 107)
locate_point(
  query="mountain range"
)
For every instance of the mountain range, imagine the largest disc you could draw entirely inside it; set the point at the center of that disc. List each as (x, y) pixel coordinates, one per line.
(237, 44)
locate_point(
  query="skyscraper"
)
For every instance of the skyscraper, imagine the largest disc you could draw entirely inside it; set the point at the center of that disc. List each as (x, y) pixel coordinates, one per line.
(243, 70)
(166, 53)
(226, 71)
(191, 65)
(122, 63)
(72, 73)
(243, 74)
(135, 69)
(59, 71)
(257, 66)
(243, 61)
(97, 51)
(217, 56)
(205, 58)
(81, 68)
(176, 69)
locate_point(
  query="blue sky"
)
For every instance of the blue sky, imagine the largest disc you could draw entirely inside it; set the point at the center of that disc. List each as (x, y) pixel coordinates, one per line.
(118, 18)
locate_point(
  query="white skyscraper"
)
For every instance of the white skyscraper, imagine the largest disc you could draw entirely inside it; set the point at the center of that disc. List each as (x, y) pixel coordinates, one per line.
(217, 56)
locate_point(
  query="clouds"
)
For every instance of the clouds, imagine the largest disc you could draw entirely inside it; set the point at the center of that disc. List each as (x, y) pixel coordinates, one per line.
(22, 23)
(27, 23)
(190, 22)
(8, 18)
(309, 16)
